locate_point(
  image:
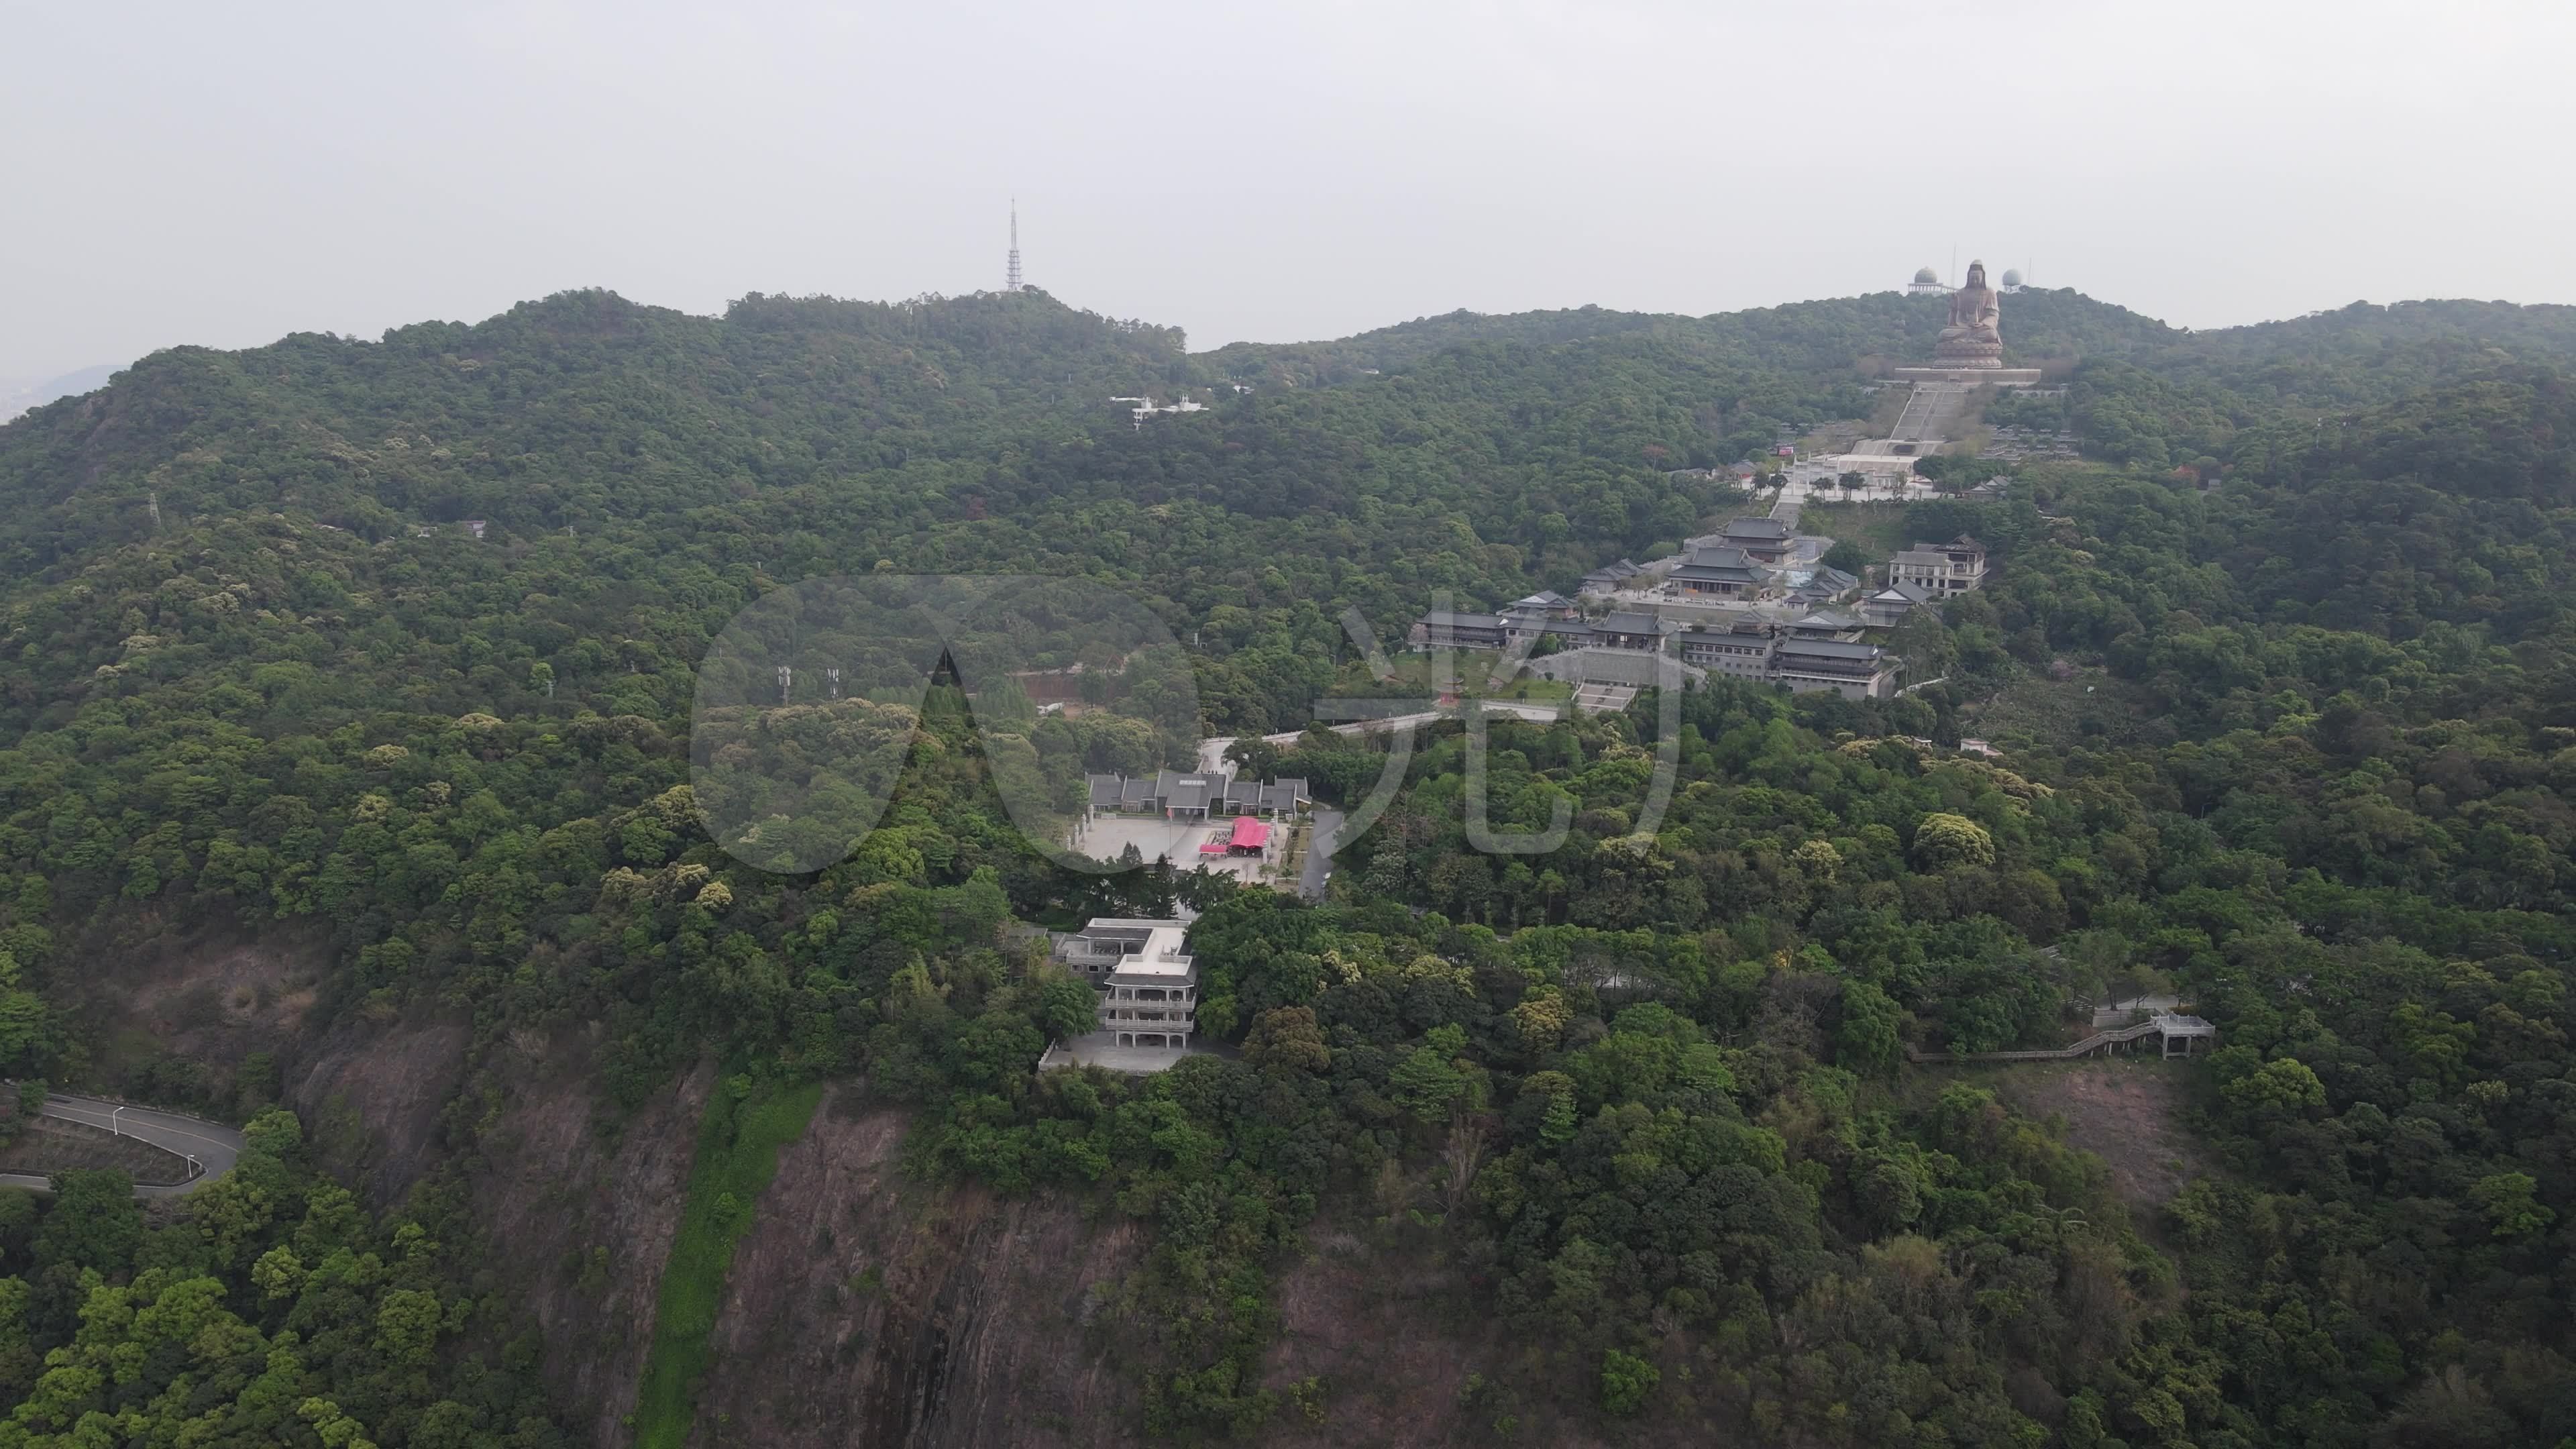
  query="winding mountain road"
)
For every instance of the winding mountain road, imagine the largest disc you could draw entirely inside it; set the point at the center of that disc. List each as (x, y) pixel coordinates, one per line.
(1212, 751)
(1328, 823)
(212, 1145)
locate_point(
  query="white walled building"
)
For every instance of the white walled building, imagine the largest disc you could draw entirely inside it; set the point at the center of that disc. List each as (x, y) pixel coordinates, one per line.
(1940, 569)
(1149, 985)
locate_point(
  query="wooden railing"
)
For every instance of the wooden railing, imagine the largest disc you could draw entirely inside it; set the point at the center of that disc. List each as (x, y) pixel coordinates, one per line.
(2098, 1041)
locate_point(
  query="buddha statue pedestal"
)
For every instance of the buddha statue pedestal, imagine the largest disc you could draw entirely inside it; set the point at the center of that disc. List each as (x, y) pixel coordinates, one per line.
(1959, 347)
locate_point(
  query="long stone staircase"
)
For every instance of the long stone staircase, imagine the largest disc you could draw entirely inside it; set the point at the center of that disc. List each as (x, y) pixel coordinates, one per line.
(1930, 408)
(1922, 406)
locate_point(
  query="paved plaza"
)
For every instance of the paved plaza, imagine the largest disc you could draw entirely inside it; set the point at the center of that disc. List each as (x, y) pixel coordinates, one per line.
(1604, 698)
(1101, 1049)
(1105, 837)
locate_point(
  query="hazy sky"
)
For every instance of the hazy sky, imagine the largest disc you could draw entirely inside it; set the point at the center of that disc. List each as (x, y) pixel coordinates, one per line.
(226, 174)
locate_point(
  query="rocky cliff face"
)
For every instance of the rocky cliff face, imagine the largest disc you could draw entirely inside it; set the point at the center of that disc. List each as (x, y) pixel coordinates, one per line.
(581, 1224)
(865, 1310)
(579, 1220)
(372, 1099)
(370, 1089)
(1397, 1344)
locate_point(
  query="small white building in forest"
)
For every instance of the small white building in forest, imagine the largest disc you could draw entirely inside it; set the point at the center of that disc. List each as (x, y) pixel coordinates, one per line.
(1149, 988)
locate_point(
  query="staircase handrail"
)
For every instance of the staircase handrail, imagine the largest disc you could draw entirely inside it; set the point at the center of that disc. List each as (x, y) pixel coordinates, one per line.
(2091, 1043)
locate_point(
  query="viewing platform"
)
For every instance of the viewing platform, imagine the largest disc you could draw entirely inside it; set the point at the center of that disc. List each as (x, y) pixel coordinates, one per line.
(1973, 376)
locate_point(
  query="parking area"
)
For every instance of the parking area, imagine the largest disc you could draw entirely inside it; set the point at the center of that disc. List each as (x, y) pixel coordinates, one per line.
(1106, 837)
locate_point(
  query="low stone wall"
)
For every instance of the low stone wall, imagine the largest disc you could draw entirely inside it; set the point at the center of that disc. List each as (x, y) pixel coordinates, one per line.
(1988, 376)
(47, 1145)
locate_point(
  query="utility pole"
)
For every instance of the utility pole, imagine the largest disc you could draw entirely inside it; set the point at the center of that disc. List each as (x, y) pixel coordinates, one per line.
(834, 675)
(786, 680)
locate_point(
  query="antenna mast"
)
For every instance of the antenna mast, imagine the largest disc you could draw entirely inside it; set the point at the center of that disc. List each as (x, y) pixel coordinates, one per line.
(1011, 281)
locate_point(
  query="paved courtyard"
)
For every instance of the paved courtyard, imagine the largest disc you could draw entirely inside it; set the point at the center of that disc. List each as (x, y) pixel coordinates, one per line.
(1105, 837)
(1101, 1049)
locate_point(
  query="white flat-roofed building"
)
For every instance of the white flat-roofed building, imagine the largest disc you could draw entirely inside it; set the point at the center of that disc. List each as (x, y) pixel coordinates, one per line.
(1149, 988)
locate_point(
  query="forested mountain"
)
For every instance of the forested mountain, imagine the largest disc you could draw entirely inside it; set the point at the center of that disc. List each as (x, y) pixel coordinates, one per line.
(2283, 673)
(17, 397)
(642, 475)
(578, 409)
(1825, 340)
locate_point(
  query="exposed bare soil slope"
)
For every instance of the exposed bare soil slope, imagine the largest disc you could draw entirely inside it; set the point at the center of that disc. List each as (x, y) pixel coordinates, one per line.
(211, 996)
(371, 1090)
(2127, 1111)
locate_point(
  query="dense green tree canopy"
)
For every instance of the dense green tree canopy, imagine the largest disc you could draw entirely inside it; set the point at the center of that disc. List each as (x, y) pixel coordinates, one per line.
(2280, 674)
